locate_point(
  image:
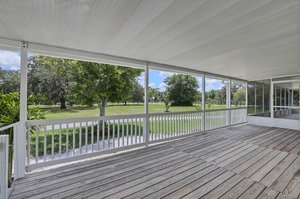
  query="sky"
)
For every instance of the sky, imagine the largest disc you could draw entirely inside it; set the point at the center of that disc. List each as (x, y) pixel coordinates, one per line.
(11, 61)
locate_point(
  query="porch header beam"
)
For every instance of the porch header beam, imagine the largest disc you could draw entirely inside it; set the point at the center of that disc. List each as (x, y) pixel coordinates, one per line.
(61, 52)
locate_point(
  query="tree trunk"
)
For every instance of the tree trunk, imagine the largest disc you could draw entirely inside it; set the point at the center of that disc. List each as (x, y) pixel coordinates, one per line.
(103, 106)
(62, 103)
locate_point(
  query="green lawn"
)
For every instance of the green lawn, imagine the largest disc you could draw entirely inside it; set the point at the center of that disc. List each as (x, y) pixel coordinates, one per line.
(52, 112)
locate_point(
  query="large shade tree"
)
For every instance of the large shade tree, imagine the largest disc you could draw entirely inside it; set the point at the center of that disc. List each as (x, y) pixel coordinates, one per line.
(181, 89)
(51, 77)
(100, 83)
(9, 80)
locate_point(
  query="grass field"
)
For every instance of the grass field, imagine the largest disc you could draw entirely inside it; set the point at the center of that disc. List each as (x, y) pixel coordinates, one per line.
(53, 112)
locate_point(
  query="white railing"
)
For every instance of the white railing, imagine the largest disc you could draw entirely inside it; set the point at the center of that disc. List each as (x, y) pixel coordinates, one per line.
(168, 125)
(7, 149)
(59, 140)
(238, 115)
(49, 140)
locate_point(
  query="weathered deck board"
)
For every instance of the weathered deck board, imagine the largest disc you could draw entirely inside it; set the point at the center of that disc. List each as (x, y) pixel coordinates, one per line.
(239, 162)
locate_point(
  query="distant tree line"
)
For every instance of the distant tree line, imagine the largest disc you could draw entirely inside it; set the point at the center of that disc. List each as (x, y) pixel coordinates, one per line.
(64, 81)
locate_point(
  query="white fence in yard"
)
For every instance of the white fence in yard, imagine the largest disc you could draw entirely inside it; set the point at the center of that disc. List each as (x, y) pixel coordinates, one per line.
(59, 140)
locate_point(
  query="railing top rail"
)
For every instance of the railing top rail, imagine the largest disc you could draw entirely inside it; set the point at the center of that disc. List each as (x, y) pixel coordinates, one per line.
(84, 119)
(174, 113)
(100, 118)
(9, 126)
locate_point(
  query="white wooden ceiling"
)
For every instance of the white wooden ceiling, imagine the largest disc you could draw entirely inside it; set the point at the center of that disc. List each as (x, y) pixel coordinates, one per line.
(249, 39)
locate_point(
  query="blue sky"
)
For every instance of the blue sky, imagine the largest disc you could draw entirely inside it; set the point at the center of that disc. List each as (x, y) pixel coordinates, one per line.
(11, 61)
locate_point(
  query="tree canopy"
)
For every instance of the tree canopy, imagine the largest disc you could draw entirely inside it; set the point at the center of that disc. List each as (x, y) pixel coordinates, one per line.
(181, 89)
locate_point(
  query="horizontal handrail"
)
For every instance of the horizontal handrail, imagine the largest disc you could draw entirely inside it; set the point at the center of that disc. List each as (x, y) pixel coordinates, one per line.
(9, 126)
(83, 119)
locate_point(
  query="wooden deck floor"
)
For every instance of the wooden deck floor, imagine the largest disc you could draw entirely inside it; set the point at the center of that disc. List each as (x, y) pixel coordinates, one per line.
(239, 162)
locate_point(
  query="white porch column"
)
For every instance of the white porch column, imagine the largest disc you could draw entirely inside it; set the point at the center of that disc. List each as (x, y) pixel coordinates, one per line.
(146, 105)
(255, 98)
(3, 166)
(292, 97)
(203, 103)
(263, 98)
(246, 100)
(21, 134)
(272, 99)
(228, 101)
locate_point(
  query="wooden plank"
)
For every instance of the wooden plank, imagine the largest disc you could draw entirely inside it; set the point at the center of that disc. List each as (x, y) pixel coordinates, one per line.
(201, 191)
(224, 187)
(268, 194)
(293, 188)
(237, 156)
(195, 184)
(285, 178)
(253, 191)
(225, 152)
(243, 159)
(184, 182)
(260, 173)
(278, 170)
(238, 190)
(253, 168)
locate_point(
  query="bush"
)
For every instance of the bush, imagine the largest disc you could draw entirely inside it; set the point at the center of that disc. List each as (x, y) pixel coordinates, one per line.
(9, 114)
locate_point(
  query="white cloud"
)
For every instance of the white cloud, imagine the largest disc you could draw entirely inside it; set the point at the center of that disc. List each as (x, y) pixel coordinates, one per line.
(211, 81)
(151, 85)
(165, 74)
(9, 60)
(141, 79)
(162, 87)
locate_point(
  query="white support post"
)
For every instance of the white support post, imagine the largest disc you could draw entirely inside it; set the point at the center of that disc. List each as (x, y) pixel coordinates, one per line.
(20, 152)
(292, 97)
(4, 166)
(203, 104)
(272, 99)
(246, 100)
(280, 98)
(285, 97)
(146, 105)
(255, 98)
(263, 98)
(228, 101)
(275, 96)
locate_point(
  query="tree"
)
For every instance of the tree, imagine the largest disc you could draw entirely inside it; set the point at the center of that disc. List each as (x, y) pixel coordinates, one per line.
(9, 80)
(181, 89)
(239, 97)
(50, 76)
(137, 94)
(100, 83)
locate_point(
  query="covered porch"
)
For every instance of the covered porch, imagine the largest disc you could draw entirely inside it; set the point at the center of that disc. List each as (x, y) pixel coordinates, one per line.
(246, 151)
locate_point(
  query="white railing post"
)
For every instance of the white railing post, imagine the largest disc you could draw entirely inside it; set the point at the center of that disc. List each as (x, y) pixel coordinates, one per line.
(203, 104)
(228, 102)
(146, 106)
(246, 101)
(21, 134)
(272, 99)
(4, 166)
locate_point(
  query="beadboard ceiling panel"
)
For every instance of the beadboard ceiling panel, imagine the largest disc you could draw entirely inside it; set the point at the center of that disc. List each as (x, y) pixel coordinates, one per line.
(249, 39)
